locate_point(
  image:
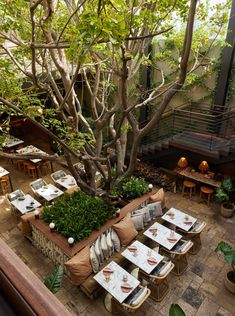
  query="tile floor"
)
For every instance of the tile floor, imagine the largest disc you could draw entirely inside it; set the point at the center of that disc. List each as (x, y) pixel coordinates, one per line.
(200, 291)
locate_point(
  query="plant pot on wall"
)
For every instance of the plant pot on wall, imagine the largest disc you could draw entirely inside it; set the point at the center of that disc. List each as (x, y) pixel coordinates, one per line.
(227, 209)
(228, 283)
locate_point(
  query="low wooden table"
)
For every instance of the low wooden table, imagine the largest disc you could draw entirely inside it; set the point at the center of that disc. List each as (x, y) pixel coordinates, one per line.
(179, 219)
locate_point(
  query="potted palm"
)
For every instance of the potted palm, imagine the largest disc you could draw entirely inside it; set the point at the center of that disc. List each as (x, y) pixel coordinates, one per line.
(229, 257)
(222, 196)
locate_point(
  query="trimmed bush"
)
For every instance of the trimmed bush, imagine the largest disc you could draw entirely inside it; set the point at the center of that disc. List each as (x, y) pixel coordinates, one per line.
(131, 188)
(78, 215)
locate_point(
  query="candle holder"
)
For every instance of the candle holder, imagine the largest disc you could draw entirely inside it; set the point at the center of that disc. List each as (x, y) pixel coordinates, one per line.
(150, 187)
(118, 212)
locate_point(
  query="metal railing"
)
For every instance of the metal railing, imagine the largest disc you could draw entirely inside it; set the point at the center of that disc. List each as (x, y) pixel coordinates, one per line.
(209, 127)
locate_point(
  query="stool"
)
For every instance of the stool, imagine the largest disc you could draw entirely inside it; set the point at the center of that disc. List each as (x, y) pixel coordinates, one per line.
(4, 184)
(20, 163)
(190, 185)
(32, 170)
(208, 191)
(44, 165)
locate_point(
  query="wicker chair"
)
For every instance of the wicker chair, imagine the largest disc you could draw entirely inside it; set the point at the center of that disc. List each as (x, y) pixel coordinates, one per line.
(157, 280)
(116, 308)
(15, 195)
(178, 255)
(37, 184)
(194, 234)
(57, 175)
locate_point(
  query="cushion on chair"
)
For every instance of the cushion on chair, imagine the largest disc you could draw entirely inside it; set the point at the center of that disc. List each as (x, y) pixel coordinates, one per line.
(155, 209)
(185, 246)
(138, 221)
(79, 266)
(197, 227)
(165, 268)
(110, 244)
(159, 196)
(94, 260)
(139, 296)
(126, 230)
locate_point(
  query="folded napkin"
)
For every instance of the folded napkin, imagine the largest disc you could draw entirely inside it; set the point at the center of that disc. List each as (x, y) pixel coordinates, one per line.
(132, 248)
(107, 271)
(172, 240)
(152, 261)
(126, 288)
(188, 223)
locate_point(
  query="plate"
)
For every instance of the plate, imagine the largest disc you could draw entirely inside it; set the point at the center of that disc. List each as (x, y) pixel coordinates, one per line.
(126, 288)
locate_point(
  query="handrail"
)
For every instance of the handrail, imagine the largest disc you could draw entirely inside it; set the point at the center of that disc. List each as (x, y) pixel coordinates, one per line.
(34, 292)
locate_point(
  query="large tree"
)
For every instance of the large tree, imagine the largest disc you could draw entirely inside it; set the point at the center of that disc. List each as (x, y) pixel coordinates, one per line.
(51, 45)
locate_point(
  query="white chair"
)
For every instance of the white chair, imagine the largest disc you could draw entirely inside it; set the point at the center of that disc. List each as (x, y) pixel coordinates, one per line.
(37, 184)
(15, 195)
(57, 175)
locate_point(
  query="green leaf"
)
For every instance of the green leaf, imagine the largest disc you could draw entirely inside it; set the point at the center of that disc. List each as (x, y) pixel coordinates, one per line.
(176, 310)
(53, 280)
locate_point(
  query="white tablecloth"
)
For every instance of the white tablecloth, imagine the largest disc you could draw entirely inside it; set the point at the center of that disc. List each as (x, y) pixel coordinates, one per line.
(67, 182)
(179, 219)
(49, 192)
(26, 205)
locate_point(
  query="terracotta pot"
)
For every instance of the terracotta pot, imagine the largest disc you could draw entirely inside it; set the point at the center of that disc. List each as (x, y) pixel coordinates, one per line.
(227, 210)
(230, 286)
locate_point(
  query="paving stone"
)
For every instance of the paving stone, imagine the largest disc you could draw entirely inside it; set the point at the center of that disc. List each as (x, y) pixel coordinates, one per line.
(193, 297)
(208, 308)
(223, 312)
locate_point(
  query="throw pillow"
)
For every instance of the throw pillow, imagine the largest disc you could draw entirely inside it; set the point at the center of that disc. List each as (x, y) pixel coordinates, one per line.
(98, 251)
(138, 221)
(79, 266)
(159, 196)
(110, 244)
(94, 260)
(104, 247)
(116, 241)
(144, 210)
(155, 209)
(126, 230)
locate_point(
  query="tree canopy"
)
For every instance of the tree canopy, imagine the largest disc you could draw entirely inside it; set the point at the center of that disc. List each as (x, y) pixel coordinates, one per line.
(85, 58)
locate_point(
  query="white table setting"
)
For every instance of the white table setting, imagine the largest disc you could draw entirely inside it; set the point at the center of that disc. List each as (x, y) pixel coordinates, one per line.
(162, 235)
(3, 172)
(117, 281)
(25, 203)
(142, 256)
(13, 141)
(179, 219)
(67, 181)
(31, 150)
(49, 192)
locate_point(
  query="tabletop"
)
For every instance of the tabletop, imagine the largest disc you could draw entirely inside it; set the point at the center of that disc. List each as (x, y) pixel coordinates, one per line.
(31, 150)
(25, 203)
(162, 235)
(142, 256)
(117, 281)
(3, 172)
(179, 219)
(67, 181)
(198, 176)
(13, 141)
(49, 192)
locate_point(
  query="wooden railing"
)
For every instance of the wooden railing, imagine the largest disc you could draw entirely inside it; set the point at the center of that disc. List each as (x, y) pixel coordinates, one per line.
(31, 293)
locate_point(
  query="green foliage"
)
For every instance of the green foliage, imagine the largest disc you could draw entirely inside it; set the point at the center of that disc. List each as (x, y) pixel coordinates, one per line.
(78, 215)
(176, 310)
(131, 188)
(229, 255)
(222, 193)
(53, 280)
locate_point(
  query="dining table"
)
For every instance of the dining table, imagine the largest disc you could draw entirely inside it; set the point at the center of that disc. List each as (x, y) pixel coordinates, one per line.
(25, 203)
(13, 141)
(142, 256)
(163, 235)
(49, 192)
(179, 219)
(117, 281)
(67, 181)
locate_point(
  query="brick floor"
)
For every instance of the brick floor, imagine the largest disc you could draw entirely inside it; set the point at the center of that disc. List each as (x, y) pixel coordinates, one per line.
(199, 291)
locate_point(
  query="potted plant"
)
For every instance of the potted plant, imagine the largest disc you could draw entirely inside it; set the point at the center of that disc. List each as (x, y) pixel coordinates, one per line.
(229, 257)
(176, 310)
(222, 196)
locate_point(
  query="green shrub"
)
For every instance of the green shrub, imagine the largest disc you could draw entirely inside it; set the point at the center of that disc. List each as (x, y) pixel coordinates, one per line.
(222, 194)
(132, 188)
(78, 215)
